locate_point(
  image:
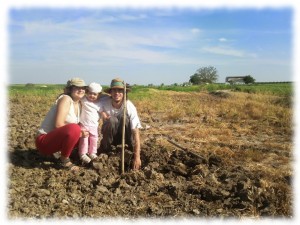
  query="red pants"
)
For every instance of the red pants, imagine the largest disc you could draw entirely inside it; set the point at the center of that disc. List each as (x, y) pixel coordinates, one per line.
(62, 139)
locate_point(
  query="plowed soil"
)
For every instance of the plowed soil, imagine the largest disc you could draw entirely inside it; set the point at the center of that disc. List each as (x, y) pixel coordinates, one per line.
(179, 178)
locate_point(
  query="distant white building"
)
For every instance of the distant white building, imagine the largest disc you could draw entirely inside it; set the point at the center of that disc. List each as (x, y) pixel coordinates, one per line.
(235, 79)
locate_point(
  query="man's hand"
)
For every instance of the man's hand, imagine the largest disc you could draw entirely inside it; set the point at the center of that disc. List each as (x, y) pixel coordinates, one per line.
(136, 163)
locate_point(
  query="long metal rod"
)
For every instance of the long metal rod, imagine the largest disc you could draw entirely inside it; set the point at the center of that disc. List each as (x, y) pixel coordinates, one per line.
(123, 130)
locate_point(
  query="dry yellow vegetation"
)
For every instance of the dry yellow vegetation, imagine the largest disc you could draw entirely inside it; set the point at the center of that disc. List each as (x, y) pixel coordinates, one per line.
(254, 131)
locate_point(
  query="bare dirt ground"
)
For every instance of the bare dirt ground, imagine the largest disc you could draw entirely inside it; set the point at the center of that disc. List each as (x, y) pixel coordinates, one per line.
(181, 176)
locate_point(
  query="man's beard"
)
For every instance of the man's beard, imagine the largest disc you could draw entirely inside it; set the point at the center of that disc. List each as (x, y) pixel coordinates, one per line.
(117, 101)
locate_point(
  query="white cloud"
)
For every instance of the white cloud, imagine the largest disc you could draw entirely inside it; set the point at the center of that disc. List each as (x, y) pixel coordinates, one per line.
(94, 40)
(223, 40)
(131, 17)
(228, 51)
(77, 41)
(195, 30)
(36, 27)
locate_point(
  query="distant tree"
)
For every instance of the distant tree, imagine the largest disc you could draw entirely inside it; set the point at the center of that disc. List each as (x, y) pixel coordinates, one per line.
(204, 75)
(249, 79)
(29, 85)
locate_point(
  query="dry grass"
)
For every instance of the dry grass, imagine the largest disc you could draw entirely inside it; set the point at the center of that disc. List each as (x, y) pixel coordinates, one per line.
(251, 130)
(253, 123)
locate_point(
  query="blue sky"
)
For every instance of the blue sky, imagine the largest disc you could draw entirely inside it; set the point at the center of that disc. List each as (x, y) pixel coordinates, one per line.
(148, 45)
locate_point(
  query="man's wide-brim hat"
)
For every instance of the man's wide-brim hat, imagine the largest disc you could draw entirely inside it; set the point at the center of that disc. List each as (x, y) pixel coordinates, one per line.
(76, 82)
(117, 83)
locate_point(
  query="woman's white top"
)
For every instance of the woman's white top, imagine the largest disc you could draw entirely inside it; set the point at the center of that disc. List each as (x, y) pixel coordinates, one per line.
(49, 122)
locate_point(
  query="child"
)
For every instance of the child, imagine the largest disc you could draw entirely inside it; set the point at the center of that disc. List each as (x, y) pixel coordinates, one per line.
(89, 121)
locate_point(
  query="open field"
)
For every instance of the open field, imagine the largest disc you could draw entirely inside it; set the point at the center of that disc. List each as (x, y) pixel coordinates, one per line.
(217, 154)
(278, 89)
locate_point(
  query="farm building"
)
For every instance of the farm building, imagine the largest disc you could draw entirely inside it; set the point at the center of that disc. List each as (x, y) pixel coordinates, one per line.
(235, 79)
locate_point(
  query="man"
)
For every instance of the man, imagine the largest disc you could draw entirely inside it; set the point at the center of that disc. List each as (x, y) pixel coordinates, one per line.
(112, 108)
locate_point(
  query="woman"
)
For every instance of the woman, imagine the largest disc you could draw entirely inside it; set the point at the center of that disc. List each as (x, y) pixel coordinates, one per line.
(60, 131)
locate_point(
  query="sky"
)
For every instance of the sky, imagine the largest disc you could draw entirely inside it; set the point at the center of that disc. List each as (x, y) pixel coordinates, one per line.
(152, 45)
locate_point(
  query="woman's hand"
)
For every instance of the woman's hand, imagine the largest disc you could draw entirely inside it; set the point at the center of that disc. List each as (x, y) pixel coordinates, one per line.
(84, 134)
